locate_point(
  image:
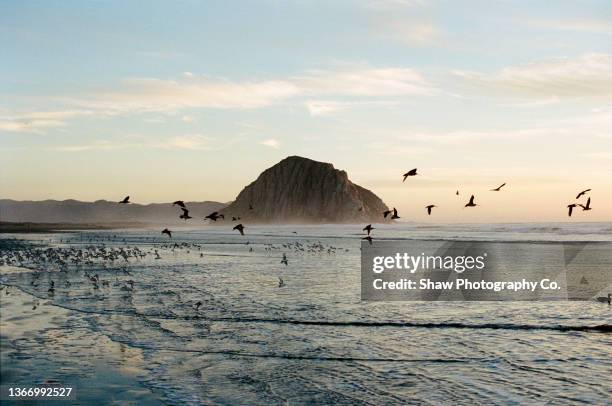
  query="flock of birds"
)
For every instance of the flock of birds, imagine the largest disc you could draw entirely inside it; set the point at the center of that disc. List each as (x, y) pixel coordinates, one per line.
(470, 203)
(387, 214)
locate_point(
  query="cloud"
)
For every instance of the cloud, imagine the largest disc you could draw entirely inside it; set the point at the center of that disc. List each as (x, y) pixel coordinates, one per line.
(371, 82)
(328, 107)
(271, 142)
(141, 95)
(38, 122)
(587, 76)
(414, 33)
(191, 142)
(575, 25)
(195, 142)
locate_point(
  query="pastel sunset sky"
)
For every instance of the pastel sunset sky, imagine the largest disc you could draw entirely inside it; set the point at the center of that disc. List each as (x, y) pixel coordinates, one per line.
(191, 100)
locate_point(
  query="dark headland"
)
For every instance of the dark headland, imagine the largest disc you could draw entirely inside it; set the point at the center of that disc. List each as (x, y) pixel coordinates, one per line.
(301, 190)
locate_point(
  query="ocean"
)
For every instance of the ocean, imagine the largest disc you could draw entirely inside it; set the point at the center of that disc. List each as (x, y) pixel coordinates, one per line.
(201, 319)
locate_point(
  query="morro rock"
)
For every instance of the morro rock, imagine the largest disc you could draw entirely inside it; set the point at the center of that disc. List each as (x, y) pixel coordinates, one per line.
(300, 190)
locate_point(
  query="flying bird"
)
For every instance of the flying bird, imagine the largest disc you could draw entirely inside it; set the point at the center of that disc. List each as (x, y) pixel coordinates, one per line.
(457, 193)
(582, 193)
(471, 202)
(185, 214)
(214, 216)
(431, 206)
(168, 232)
(571, 208)
(412, 172)
(497, 189)
(368, 239)
(386, 213)
(394, 216)
(179, 203)
(368, 228)
(240, 228)
(125, 200)
(588, 205)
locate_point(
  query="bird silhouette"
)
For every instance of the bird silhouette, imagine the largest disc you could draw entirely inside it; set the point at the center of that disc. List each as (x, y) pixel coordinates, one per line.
(386, 213)
(582, 193)
(214, 216)
(179, 203)
(471, 202)
(197, 305)
(125, 200)
(168, 232)
(431, 206)
(588, 205)
(185, 214)
(281, 282)
(394, 216)
(285, 260)
(368, 239)
(240, 228)
(412, 172)
(457, 193)
(571, 208)
(368, 228)
(497, 189)
(604, 299)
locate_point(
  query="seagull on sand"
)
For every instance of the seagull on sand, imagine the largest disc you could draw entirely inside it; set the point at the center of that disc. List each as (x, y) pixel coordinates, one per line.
(368, 228)
(604, 299)
(412, 172)
(582, 193)
(185, 214)
(471, 202)
(368, 239)
(588, 205)
(571, 208)
(497, 189)
(240, 228)
(168, 232)
(125, 200)
(179, 203)
(431, 206)
(394, 216)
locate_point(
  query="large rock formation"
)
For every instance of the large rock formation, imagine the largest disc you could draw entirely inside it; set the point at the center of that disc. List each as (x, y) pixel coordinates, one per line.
(301, 190)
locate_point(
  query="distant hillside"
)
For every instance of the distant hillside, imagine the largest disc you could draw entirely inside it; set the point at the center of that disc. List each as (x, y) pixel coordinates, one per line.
(302, 190)
(101, 211)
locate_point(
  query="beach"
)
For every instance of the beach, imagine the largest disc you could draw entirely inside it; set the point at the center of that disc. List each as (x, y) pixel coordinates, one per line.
(313, 341)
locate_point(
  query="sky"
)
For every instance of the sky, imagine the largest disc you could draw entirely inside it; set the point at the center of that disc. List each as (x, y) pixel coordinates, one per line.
(191, 100)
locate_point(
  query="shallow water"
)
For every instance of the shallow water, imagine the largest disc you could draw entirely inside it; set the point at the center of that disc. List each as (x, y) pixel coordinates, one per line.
(310, 342)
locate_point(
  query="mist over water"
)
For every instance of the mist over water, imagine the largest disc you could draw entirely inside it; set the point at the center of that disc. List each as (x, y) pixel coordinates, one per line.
(311, 341)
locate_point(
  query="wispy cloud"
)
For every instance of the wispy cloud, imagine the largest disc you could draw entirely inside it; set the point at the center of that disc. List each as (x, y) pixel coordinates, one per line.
(575, 25)
(328, 107)
(190, 91)
(39, 121)
(587, 76)
(271, 142)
